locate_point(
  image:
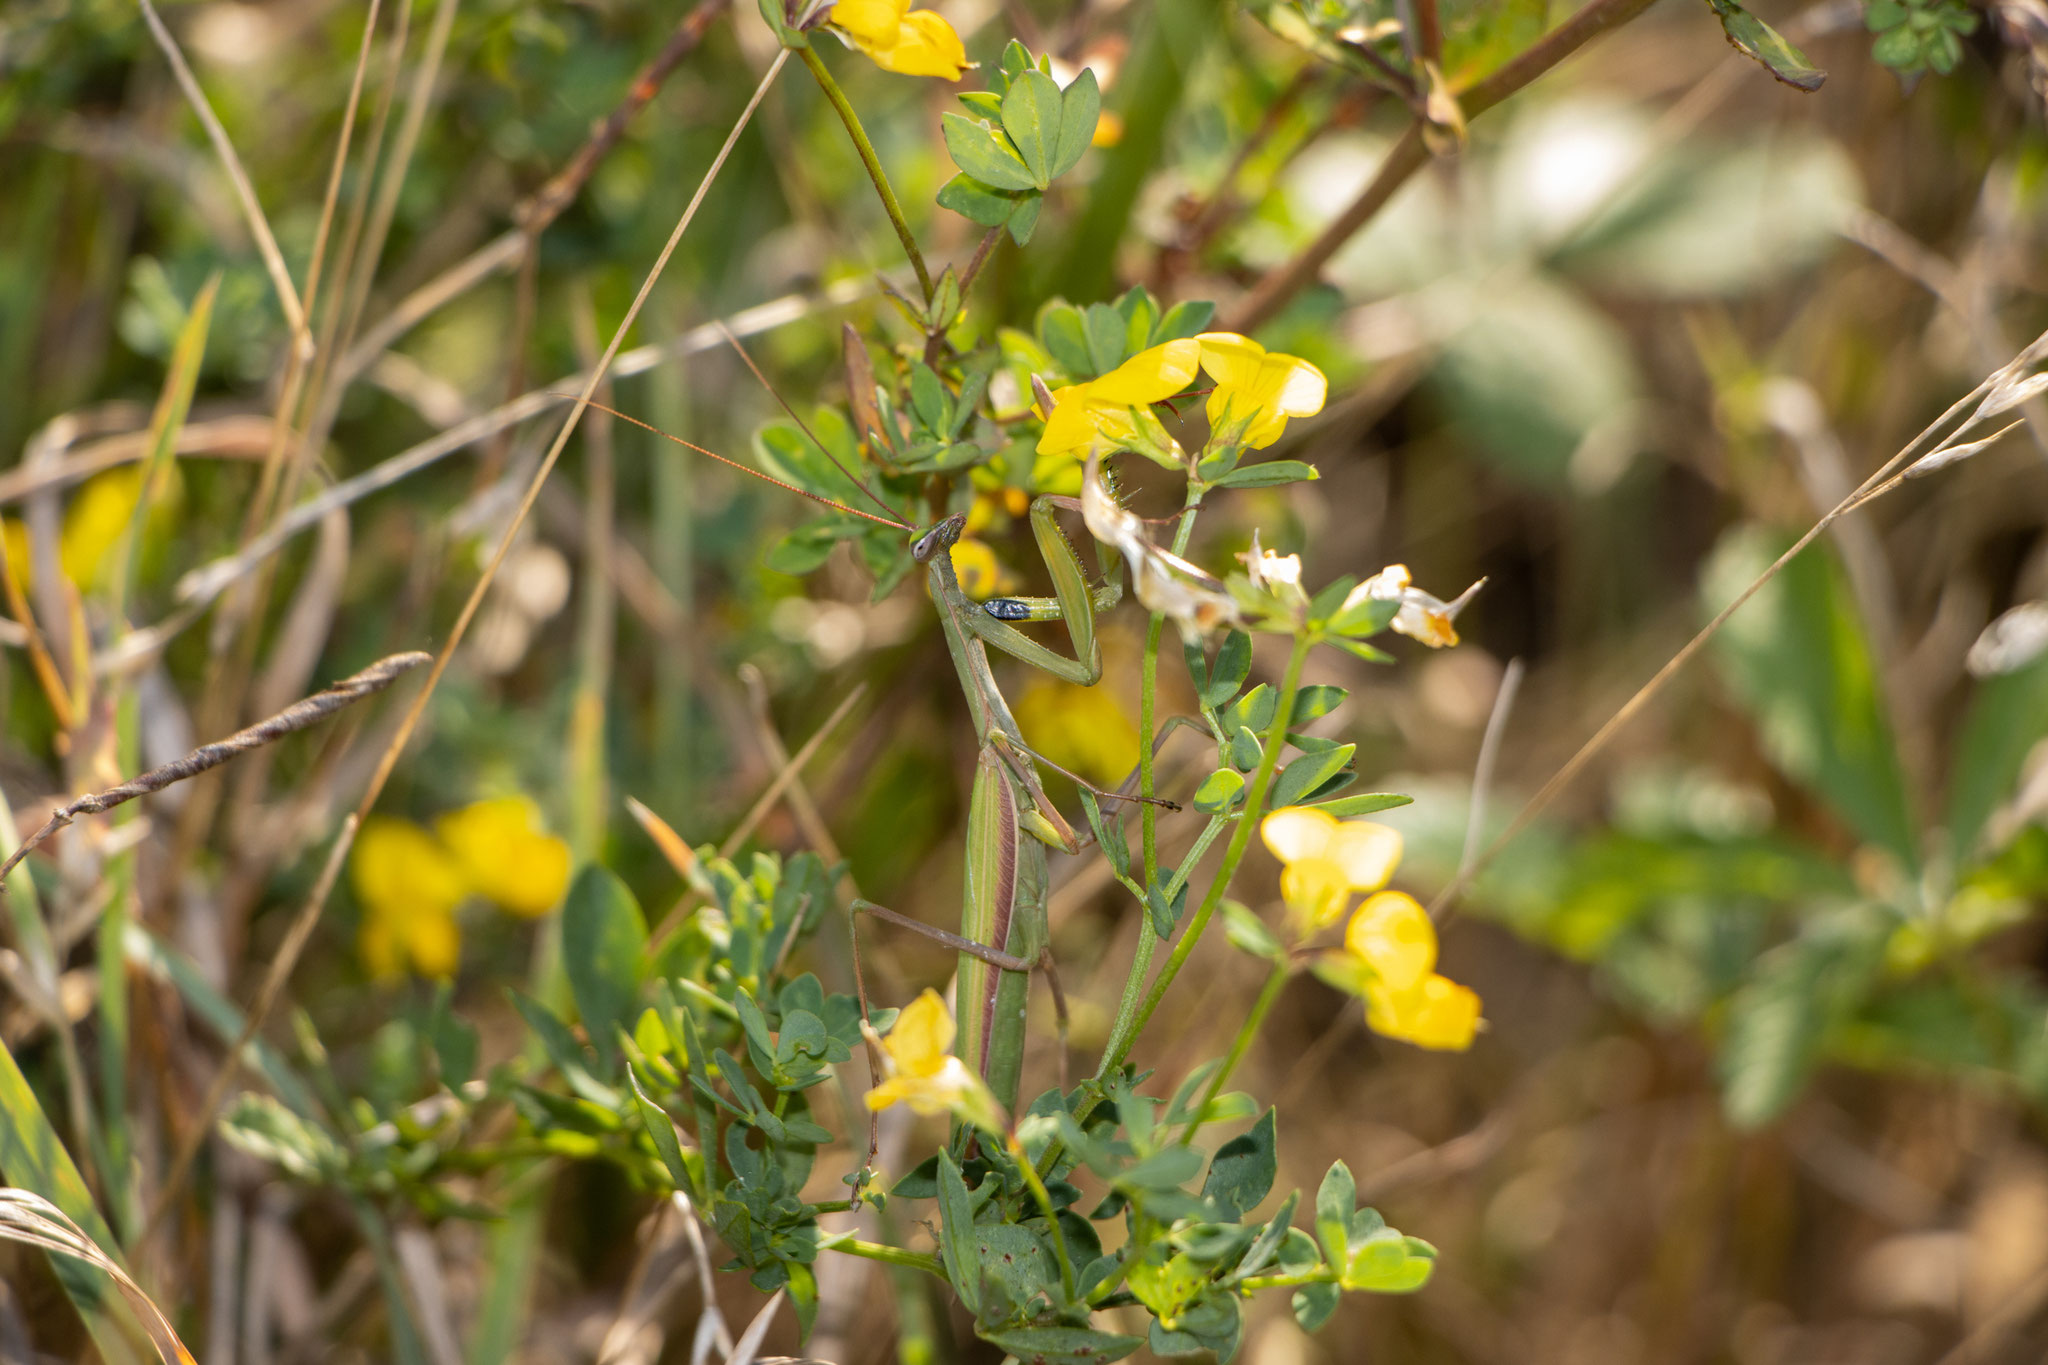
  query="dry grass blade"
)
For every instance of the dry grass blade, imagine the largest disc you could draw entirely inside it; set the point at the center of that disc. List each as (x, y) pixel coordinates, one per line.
(259, 227)
(749, 1344)
(34, 1221)
(300, 714)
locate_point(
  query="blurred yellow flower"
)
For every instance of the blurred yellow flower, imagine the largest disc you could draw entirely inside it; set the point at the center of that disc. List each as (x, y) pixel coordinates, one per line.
(409, 887)
(1325, 861)
(98, 515)
(506, 856)
(1084, 729)
(1389, 960)
(1265, 387)
(1421, 616)
(981, 575)
(1109, 129)
(1436, 1012)
(1392, 934)
(922, 1071)
(897, 38)
(1096, 417)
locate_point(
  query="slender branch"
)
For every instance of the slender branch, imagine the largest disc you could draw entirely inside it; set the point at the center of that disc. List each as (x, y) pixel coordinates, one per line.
(1262, 780)
(888, 1255)
(1052, 1218)
(298, 716)
(1408, 156)
(1276, 980)
(873, 164)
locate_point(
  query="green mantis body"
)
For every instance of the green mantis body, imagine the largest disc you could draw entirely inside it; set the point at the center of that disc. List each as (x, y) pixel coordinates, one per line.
(1010, 823)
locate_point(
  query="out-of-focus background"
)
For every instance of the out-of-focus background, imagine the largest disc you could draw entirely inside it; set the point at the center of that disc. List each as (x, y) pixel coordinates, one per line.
(1767, 1050)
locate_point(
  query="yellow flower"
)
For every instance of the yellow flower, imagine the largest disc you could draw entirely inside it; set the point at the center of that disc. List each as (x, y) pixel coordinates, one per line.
(1096, 417)
(1325, 861)
(1421, 616)
(1109, 129)
(1392, 934)
(1436, 1012)
(1084, 729)
(923, 1072)
(981, 575)
(506, 856)
(1251, 383)
(896, 38)
(409, 887)
(991, 505)
(1389, 959)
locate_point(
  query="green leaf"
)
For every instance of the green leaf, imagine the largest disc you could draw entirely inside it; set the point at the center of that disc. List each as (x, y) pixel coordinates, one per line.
(1364, 803)
(956, 1234)
(1062, 1345)
(805, 550)
(1015, 1266)
(1063, 331)
(2007, 716)
(1233, 665)
(1269, 1239)
(1313, 1304)
(1307, 773)
(1314, 702)
(564, 1051)
(662, 1130)
(1797, 658)
(1777, 1023)
(986, 154)
(1270, 474)
(1183, 320)
(604, 939)
(1241, 1173)
(1248, 933)
(1219, 791)
(1336, 1197)
(1031, 116)
(1025, 217)
(1753, 37)
(1165, 914)
(1109, 834)
(1389, 1263)
(1080, 108)
(1108, 337)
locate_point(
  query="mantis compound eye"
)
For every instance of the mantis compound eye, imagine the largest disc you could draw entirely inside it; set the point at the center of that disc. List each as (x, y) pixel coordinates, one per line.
(941, 537)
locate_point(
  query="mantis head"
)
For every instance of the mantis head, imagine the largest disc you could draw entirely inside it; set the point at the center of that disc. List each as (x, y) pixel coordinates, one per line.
(943, 536)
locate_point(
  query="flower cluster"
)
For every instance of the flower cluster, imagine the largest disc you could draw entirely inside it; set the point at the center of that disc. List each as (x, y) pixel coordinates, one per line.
(923, 1072)
(900, 39)
(1389, 953)
(410, 881)
(1254, 390)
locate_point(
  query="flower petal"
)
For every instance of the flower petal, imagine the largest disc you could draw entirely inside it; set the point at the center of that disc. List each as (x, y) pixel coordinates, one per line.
(926, 45)
(1297, 832)
(923, 1033)
(1435, 1013)
(400, 871)
(1151, 375)
(870, 22)
(507, 857)
(1368, 851)
(1392, 934)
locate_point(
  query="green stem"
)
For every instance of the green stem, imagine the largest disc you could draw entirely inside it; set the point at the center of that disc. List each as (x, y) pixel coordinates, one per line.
(1240, 839)
(873, 164)
(1148, 814)
(1245, 1033)
(1052, 1218)
(888, 1255)
(1322, 1274)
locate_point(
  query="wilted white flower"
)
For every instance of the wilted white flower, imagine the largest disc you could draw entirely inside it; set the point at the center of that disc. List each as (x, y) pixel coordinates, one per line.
(1422, 616)
(1161, 581)
(1274, 573)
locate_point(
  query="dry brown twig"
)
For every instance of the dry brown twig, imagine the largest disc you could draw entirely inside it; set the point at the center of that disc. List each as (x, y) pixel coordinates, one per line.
(300, 714)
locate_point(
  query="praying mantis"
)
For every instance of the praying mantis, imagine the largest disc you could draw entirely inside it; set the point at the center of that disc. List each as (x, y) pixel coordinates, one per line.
(1011, 823)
